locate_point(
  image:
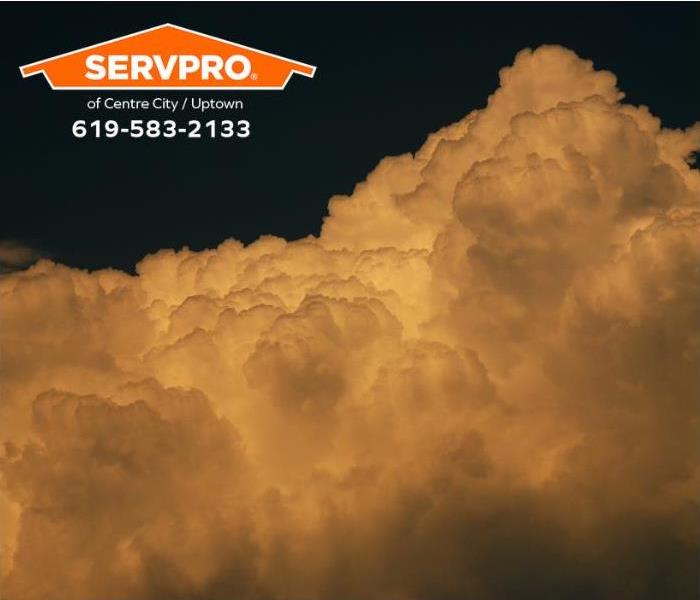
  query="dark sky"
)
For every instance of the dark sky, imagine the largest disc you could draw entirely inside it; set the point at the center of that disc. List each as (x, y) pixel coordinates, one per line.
(388, 74)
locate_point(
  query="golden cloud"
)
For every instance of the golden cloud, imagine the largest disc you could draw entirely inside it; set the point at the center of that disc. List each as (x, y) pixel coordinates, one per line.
(479, 381)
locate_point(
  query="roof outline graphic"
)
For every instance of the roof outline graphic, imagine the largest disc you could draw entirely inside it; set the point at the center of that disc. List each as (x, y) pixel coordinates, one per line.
(309, 71)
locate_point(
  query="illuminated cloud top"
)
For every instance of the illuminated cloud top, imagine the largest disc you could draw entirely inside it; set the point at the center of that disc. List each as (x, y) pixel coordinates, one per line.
(478, 382)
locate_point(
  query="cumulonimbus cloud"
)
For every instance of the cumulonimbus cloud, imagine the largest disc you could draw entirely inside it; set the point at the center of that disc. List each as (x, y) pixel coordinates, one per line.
(478, 382)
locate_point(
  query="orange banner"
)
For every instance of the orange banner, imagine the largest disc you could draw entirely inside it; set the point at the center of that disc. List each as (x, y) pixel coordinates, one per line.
(167, 57)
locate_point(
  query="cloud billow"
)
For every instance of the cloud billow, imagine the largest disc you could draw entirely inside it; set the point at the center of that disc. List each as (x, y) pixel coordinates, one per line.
(478, 382)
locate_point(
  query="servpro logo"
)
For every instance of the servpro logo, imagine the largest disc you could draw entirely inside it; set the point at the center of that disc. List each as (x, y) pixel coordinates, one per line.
(167, 57)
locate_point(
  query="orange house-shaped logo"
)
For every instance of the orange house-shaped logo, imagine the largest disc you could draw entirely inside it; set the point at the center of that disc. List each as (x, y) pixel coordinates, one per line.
(167, 57)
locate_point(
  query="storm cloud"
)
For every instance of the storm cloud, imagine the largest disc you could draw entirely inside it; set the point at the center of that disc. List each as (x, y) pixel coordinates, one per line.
(480, 381)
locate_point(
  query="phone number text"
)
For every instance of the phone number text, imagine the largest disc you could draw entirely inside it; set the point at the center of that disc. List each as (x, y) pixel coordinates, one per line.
(154, 128)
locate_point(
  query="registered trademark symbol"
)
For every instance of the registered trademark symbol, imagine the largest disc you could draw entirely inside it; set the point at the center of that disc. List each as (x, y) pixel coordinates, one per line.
(254, 76)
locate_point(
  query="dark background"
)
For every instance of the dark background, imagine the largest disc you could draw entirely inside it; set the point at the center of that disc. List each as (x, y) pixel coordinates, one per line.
(388, 74)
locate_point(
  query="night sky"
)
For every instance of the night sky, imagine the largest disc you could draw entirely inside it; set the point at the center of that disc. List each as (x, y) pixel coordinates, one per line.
(388, 74)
